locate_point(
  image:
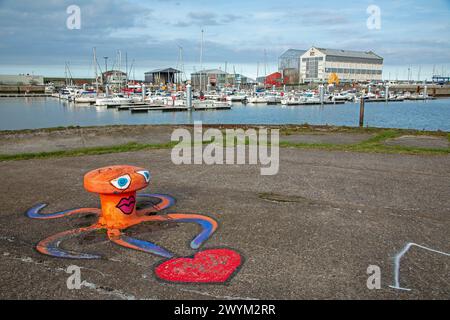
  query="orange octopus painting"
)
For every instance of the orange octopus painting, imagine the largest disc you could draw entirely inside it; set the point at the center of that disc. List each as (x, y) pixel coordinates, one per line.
(117, 187)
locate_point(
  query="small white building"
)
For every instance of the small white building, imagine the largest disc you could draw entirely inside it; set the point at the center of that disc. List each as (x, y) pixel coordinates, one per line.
(317, 64)
(114, 77)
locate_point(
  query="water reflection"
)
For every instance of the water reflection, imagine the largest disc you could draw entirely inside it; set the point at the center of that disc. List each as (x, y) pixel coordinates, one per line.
(29, 113)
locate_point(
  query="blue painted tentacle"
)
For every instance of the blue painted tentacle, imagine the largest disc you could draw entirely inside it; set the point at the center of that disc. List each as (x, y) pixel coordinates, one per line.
(166, 202)
(209, 226)
(139, 245)
(50, 246)
(34, 213)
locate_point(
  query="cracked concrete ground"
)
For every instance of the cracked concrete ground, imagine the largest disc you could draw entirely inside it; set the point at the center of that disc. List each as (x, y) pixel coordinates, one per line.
(309, 232)
(419, 142)
(327, 138)
(76, 138)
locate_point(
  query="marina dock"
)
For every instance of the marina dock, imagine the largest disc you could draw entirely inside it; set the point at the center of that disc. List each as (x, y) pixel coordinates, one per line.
(170, 109)
(25, 95)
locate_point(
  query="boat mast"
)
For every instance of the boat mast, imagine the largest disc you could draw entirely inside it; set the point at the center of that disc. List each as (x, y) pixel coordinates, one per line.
(69, 74)
(120, 71)
(180, 64)
(226, 75)
(257, 70)
(265, 62)
(126, 64)
(234, 76)
(65, 73)
(96, 74)
(132, 69)
(201, 61)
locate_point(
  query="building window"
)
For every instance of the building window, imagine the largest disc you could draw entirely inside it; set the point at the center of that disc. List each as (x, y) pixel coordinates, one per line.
(312, 67)
(354, 60)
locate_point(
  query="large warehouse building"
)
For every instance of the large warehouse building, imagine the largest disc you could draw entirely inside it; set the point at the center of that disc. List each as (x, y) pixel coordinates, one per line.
(163, 76)
(317, 64)
(289, 64)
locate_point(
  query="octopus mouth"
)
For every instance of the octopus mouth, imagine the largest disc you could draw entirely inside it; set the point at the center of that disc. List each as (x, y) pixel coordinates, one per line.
(126, 205)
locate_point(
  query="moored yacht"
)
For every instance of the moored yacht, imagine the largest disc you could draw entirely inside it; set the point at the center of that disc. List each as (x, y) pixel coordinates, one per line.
(118, 100)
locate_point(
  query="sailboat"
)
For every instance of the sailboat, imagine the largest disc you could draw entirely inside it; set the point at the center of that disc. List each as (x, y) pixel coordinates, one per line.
(88, 97)
(114, 100)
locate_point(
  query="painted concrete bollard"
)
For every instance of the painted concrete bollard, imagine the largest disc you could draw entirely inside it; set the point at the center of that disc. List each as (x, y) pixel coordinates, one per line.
(117, 187)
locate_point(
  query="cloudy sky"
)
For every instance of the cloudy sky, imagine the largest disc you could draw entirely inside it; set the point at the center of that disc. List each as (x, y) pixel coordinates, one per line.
(34, 37)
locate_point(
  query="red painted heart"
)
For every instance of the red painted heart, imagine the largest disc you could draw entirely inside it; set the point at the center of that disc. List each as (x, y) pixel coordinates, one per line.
(210, 266)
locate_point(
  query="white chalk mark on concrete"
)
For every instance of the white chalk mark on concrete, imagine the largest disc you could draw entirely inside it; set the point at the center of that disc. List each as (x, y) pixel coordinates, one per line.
(110, 292)
(9, 239)
(397, 263)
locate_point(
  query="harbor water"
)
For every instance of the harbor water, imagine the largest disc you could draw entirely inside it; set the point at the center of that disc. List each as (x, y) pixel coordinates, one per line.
(33, 113)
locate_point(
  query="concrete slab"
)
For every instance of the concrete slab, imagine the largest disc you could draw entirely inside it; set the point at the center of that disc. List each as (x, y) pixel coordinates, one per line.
(327, 138)
(430, 142)
(309, 232)
(76, 138)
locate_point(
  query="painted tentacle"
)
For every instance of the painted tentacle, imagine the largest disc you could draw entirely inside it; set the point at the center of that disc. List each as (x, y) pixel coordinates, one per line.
(50, 246)
(166, 202)
(34, 212)
(208, 224)
(132, 243)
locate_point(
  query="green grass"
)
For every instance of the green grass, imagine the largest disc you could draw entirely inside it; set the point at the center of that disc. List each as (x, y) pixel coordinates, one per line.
(374, 144)
(367, 148)
(87, 151)
(306, 128)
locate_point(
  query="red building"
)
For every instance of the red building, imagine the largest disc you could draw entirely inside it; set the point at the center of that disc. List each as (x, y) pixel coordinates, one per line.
(274, 79)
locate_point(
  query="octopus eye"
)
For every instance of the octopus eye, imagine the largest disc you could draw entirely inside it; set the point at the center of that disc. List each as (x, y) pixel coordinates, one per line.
(122, 182)
(145, 174)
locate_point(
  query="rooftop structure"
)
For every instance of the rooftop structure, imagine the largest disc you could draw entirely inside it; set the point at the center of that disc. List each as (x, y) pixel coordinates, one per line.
(163, 76)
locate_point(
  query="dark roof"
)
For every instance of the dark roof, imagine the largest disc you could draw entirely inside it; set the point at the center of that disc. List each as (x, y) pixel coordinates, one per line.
(164, 70)
(349, 53)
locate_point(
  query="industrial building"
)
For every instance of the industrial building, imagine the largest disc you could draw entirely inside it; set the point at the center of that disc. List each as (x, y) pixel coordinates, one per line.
(289, 64)
(318, 64)
(19, 80)
(216, 78)
(163, 76)
(211, 77)
(60, 82)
